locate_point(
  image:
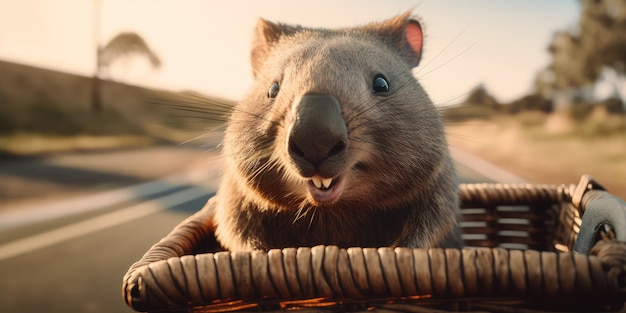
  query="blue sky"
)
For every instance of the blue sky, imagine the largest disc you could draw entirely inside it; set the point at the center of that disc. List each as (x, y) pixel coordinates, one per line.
(204, 45)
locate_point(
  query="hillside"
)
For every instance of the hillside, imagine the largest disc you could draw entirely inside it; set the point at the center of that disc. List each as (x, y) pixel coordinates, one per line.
(39, 103)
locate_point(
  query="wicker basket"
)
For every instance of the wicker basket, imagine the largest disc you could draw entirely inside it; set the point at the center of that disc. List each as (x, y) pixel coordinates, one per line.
(520, 260)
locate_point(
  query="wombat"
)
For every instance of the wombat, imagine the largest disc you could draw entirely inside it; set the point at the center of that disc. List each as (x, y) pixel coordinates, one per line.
(336, 144)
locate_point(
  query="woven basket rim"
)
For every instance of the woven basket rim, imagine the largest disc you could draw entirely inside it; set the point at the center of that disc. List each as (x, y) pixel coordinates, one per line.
(171, 276)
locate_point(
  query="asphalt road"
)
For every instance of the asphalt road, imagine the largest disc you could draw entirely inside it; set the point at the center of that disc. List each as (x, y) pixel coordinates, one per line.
(65, 247)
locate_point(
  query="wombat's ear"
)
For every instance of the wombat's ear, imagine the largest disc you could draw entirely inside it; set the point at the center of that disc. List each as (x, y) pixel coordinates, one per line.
(405, 33)
(414, 40)
(266, 35)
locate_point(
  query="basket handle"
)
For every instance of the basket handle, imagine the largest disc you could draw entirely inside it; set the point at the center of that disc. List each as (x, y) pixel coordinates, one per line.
(599, 209)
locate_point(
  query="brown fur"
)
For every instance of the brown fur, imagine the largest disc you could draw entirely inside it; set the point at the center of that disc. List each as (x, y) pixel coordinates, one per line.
(400, 185)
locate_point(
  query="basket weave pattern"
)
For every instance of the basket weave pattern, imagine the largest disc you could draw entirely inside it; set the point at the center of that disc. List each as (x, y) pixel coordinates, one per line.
(536, 223)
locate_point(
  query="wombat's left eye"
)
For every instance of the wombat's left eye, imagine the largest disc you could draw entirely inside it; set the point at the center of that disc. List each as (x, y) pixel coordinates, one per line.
(273, 92)
(380, 84)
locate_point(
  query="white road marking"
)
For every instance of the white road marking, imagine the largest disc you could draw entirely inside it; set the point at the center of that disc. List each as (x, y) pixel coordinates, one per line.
(58, 235)
(484, 168)
(20, 215)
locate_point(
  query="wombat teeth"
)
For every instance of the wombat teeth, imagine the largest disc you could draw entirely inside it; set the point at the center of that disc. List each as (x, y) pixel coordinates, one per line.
(319, 182)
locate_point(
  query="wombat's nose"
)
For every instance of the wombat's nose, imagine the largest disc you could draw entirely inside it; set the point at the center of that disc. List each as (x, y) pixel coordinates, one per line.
(319, 136)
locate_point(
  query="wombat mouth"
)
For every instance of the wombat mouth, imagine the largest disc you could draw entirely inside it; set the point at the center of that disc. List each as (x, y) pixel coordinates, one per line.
(325, 190)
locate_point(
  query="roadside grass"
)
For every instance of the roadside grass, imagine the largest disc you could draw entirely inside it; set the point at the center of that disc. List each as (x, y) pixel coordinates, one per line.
(550, 148)
(24, 144)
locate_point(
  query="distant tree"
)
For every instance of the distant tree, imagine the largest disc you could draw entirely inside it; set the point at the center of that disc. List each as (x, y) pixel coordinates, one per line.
(603, 36)
(122, 45)
(532, 102)
(481, 97)
(579, 57)
(568, 62)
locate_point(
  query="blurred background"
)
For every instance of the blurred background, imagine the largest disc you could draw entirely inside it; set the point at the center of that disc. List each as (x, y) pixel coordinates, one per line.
(111, 114)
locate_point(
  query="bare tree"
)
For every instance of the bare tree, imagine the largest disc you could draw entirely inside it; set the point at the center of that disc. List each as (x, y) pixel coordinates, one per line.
(121, 46)
(124, 45)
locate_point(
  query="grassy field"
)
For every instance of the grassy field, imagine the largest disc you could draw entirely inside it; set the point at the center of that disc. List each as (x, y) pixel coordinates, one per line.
(550, 148)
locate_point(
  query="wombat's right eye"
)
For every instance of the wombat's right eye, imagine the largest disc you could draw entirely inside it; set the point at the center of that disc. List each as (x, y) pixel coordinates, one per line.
(273, 92)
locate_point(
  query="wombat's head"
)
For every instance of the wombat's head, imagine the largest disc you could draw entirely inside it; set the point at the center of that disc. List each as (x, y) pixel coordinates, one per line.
(335, 118)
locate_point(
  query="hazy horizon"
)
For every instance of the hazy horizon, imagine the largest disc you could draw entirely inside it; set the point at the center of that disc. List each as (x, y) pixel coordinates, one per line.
(204, 45)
